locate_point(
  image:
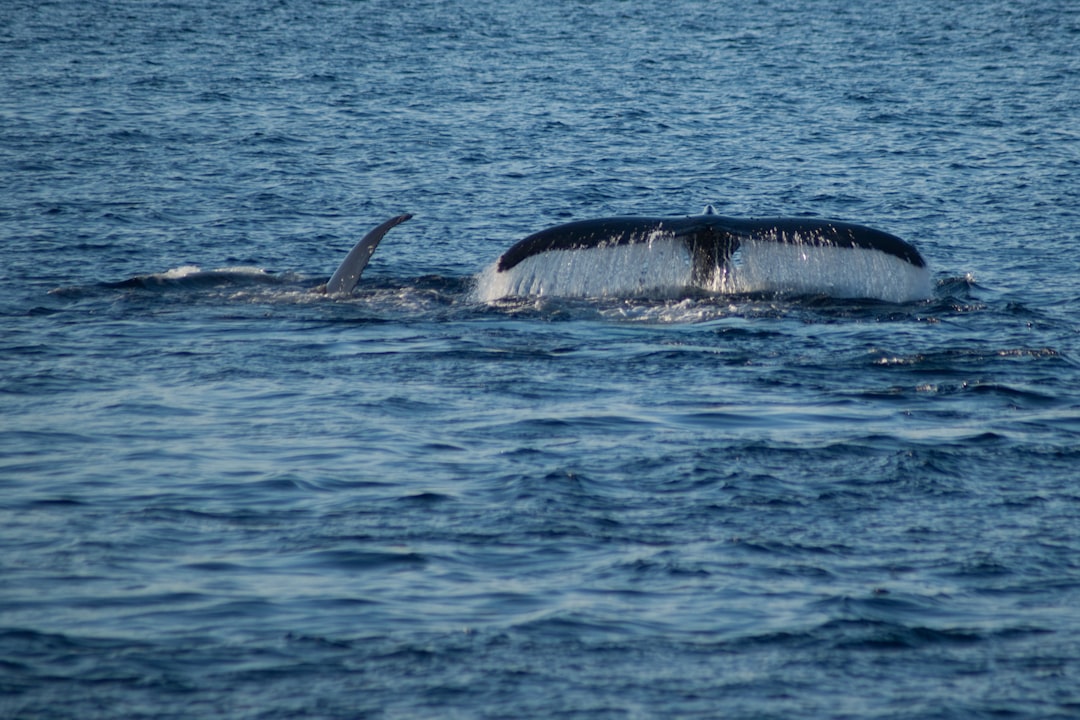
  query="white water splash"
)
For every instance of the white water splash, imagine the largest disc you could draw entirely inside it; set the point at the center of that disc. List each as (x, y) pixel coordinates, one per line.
(178, 272)
(194, 271)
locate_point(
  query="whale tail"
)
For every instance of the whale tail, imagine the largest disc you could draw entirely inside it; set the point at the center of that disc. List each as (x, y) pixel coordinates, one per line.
(344, 279)
(640, 254)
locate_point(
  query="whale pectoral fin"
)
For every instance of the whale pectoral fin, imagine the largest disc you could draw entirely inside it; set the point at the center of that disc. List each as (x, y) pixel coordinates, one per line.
(344, 279)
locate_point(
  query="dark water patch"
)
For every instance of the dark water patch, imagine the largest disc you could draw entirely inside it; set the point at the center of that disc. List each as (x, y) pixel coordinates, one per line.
(59, 501)
(365, 560)
(426, 498)
(181, 509)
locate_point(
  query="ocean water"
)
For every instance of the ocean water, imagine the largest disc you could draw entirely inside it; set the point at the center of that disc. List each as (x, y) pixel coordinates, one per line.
(224, 495)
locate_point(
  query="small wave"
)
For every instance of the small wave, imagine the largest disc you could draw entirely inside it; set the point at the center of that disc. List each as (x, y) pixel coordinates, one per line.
(877, 635)
(958, 283)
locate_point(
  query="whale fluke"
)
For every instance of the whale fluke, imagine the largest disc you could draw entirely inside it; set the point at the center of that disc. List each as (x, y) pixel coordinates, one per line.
(709, 237)
(344, 279)
(620, 255)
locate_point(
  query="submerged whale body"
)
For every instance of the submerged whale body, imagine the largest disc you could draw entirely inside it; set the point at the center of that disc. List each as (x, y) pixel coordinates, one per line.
(342, 282)
(641, 255)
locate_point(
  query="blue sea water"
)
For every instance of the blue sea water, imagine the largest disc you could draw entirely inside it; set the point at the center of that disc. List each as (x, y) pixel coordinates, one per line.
(226, 496)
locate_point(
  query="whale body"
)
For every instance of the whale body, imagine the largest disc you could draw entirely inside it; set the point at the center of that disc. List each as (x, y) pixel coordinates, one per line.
(658, 256)
(640, 255)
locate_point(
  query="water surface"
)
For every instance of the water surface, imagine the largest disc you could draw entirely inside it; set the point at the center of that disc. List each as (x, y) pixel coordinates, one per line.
(227, 496)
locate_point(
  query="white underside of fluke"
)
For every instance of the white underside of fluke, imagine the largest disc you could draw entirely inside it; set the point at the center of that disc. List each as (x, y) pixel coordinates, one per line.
(623, 270)
(762, 266)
